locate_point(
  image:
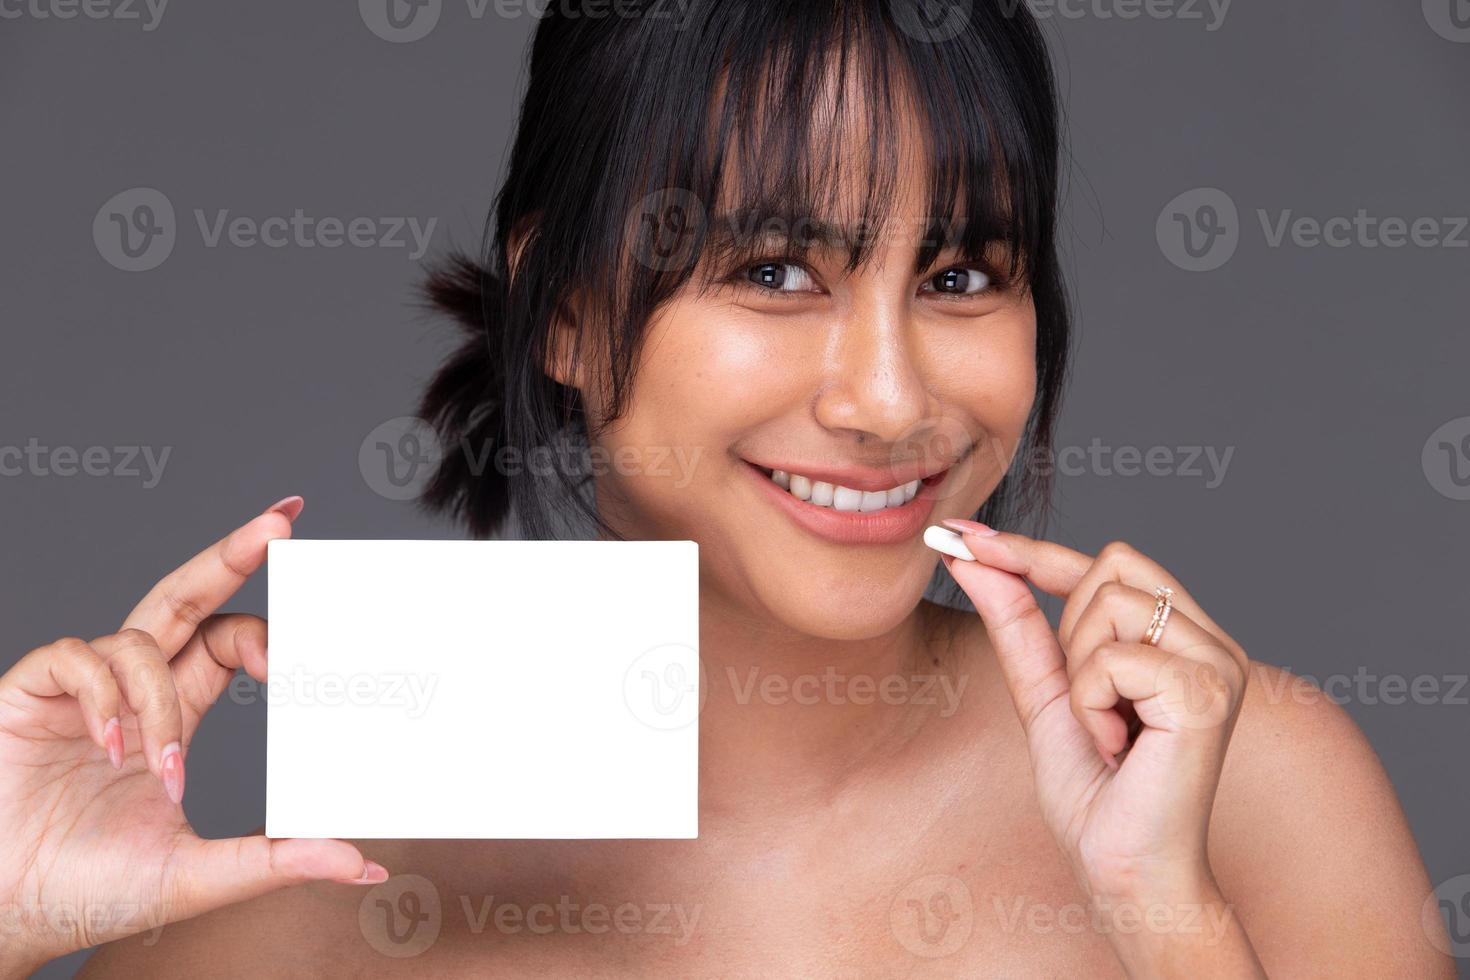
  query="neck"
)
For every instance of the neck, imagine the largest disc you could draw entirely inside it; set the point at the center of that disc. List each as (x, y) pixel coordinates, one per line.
(794, 718)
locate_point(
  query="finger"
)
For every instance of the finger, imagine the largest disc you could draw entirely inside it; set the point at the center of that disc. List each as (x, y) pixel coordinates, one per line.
(147, 686)
(1122, 563)
(205, 667)
(1032, 662)
(211, 874)
(1052, 568)
(1119, 612)
(71, 667)
(175, 607)
(1192, 697)
(1099, 689)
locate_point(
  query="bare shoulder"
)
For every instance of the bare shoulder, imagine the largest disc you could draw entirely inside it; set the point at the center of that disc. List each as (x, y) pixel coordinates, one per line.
(1310, 843)
(284, 934)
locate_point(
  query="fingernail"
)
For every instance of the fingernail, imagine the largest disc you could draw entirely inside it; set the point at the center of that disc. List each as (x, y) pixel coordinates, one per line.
(373, 873)
(112, 738)
(1110, 760)
(970, 527)
(173, 771)
(290, 506)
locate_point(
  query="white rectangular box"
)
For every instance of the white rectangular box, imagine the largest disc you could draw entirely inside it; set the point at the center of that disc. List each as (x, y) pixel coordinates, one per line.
(483, 689)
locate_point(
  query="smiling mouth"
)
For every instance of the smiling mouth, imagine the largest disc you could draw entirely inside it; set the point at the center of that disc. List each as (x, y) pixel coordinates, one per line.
(846, 499)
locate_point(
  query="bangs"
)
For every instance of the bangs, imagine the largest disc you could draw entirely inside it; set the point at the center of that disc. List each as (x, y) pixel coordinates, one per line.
(824, 113)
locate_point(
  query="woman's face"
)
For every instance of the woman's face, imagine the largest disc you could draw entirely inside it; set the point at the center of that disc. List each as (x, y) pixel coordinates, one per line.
(856, 385)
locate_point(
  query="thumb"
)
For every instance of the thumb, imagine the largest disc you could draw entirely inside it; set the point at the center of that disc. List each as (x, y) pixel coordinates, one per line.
(211, 874)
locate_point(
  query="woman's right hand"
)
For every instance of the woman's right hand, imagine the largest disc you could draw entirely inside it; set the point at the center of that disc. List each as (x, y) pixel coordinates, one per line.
(94, 845)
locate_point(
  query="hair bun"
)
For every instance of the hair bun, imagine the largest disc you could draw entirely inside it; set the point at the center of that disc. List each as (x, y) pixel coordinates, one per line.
(465, 403)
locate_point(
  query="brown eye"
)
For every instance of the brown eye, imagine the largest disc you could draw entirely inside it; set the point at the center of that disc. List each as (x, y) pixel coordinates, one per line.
(770, 275)
(784, 277)
(958, 282)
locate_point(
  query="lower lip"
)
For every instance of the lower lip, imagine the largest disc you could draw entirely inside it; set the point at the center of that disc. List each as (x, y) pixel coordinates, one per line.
(892, 525)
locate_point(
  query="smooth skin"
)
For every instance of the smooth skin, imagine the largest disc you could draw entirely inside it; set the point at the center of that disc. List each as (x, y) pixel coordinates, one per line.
(952, 805)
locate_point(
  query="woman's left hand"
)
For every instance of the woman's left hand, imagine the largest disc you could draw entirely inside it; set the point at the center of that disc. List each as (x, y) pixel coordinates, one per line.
(1135, 830)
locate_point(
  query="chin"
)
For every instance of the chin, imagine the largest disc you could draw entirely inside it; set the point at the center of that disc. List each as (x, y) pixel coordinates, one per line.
(844, 601)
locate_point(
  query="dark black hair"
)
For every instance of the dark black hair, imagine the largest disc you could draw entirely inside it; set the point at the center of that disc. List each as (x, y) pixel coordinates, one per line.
(634, 125)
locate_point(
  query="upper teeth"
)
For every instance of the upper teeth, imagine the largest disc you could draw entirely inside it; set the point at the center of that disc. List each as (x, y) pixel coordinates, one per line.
(843, 498)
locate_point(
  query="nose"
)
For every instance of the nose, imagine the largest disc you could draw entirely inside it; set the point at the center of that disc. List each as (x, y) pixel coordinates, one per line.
(875, 385)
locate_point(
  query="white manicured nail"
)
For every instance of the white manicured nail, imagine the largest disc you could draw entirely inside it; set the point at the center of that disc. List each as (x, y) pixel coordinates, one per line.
(946, 542)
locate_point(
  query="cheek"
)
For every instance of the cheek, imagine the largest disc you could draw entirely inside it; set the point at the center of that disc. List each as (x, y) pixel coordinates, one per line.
(708, 373)
(988, 380)
(705, 376)
(1004, 385)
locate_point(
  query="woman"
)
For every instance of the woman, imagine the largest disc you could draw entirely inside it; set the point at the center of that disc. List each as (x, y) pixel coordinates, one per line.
(811, 247)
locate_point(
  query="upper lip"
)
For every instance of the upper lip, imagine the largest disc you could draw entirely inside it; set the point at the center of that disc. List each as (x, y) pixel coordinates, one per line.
(869, 478)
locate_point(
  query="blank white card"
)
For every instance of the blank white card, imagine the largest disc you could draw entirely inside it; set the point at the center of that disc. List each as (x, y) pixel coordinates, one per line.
(483, 689)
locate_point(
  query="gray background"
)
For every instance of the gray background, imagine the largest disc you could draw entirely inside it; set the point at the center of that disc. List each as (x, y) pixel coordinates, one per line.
(1334, 544)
